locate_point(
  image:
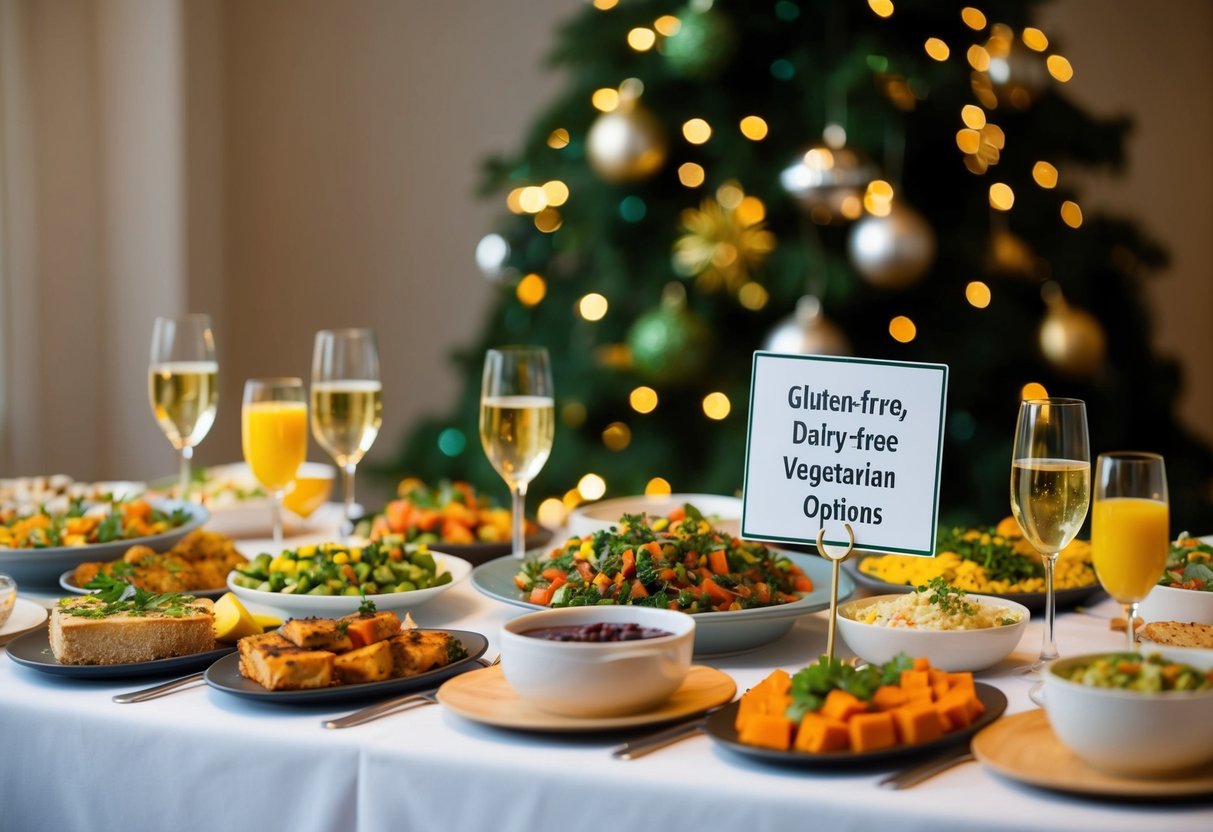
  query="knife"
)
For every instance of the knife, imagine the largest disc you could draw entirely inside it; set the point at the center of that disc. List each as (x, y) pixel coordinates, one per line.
(652, 742)
(924, 771)
(385, 708)
(159, 690)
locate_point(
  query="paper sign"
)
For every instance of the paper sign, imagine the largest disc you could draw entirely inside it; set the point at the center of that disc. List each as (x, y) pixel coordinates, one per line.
(844, 440)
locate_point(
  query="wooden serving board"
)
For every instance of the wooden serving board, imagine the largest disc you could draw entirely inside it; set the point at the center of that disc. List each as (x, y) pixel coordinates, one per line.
(485, 696)
(1024, 748)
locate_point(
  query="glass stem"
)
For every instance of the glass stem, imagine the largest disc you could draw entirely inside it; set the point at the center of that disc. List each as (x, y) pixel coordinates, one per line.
(1048, 644)
(349, 468)
(276, 517)
(519, 495)
(1130, 630)
(187, 453)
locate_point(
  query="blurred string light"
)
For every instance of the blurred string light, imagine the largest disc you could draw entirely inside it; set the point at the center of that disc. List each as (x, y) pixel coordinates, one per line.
(605, 99)
(592, 307)
(658, 487)
(556, 192)
(977, 294)
(937, 49)
(716, 405)
(1035, 39)
(642, 38)
(632, 208)
(573, 413)
(605, 5)
(571, 499)
(1001, 196)
(531, 290)
(616, 436)
(691, 174)
(492, 252)
(643, 399)
(973, 116)
(667, 25)
(1033, 390)
(452, 441)
(551, 513)
(753, 296)
(754, 128)
(883, 8)
(548, 220)
(1045, 175)
(591, 487)
(1059, 68)
(978, 58)
(558, 139)
(697, 131)
(973, 18)
(878, 198)
(1071, 214)
(902, 329)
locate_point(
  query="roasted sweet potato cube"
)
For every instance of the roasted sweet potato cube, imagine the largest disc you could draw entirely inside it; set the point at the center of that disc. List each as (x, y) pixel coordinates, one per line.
(870, 732)
(841, 706)
(372, 663)
(818, 734)
(917, 722)
(915, 679)
(888, 697)
(767, 731)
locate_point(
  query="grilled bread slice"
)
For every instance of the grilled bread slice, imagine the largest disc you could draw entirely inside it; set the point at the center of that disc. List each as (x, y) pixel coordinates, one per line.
(276, 664)
(416, 651)
(126, 637)
(1179, 634)
(372, 663)
(317, 634)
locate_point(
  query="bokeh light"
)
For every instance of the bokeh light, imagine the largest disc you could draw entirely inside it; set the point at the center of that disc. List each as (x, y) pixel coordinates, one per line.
(551, 513)
(1001, 196)
(691, 174)
(753, 296)
(883, 8)
(937, 49)
(657, 487)
(716, 405)
(1045, 175)
(592, 307)
(591, 487)
(642, 38)
(556, 192)
(978, 294)
(902, 329)
(754, 128)
(973, 116)
(667, 25)
(973, 18)
(605, 99)
(1033, 390)
(548, 220)
(452, 441)
(558, 138)
(531, 289)
(1035, 39)
(697, 131)
(616, 436)
(643, 399)
(1071, 214)
(1059, 68)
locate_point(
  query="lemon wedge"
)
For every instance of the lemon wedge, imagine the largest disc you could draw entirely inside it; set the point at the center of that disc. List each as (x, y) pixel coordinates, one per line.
(267, 622)
(233, 621)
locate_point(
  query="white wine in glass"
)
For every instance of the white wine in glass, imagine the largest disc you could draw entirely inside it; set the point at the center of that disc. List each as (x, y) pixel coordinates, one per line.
(517, 422)
(1050, 489)
(347, 399)
(182, 384)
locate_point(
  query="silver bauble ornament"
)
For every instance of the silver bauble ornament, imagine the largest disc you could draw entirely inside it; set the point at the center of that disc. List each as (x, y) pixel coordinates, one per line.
(893, 251)
(829, 182)
(807, 331)
(627, 144)
(1072, 339)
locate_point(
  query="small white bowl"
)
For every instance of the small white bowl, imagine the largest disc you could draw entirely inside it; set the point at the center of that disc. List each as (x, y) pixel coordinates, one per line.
(597, 679)
(8, 598)
(723, 512)
(1129, 732)
(333, 606)
(1168, 603)
(950, 650)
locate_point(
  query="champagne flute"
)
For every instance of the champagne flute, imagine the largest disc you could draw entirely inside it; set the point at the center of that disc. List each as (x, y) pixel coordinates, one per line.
(517, 421)
(274, 437)
(1050, 490)
(347, 406)
(182, 384)
(1130, 528)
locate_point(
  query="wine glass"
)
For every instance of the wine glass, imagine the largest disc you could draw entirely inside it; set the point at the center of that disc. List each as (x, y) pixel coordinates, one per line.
(517, 421)
(274, 437)
(347, 406)
(1050, 490)
(182, 384)
(1130, 528)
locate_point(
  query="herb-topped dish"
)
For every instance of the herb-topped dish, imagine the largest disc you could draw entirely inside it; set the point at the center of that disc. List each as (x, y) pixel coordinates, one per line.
(1185, 592)
(954, 630)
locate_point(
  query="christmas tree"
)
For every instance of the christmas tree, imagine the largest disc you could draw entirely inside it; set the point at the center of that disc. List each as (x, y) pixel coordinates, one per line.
(889, 179)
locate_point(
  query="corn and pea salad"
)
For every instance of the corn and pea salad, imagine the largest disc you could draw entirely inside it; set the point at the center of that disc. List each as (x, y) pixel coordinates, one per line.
(994, 561)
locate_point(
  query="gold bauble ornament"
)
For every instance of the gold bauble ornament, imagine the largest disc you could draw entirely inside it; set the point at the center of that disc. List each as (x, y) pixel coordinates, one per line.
(627, 144)
(828, 183)
(892, 251)
(807, 331)
(1071, 339)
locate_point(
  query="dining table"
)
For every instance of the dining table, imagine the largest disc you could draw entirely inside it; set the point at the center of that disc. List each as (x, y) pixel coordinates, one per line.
(202, 759)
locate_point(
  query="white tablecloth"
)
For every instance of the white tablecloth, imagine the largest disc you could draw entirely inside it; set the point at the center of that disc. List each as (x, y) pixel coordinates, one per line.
(200, 759)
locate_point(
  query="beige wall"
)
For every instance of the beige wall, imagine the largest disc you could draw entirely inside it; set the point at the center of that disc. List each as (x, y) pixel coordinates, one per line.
(291, 165)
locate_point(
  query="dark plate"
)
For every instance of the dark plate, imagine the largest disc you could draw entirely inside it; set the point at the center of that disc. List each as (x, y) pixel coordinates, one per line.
(34, 651)
(720, 728)
(1034, 601)
(65, 581)
(225, 675)
(42, 567)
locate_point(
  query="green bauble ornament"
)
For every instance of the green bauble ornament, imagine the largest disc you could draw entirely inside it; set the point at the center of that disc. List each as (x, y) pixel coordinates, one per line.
(702, 46)
(670, 344)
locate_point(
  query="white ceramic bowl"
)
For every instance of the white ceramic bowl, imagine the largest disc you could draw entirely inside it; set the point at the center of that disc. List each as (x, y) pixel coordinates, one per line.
(333, 606)
(8, 598)
(1128, 732)
(724, 512)
(1166, 603)
(597, 679)
(950, 650)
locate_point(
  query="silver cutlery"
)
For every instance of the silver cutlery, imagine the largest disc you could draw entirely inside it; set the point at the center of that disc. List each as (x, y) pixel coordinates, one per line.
(392, 706)
(159, 690)
(634, 749)
(924, 771)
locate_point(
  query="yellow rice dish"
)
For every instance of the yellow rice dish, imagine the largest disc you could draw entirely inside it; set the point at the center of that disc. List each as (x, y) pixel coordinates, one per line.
(990, 561)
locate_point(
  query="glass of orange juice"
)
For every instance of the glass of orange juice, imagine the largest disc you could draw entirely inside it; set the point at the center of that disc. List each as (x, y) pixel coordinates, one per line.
(274, 436)
(1130, 528)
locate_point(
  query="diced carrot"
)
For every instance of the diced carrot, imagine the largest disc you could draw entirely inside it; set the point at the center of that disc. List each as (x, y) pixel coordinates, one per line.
(762, 592)
(585, 570)
(455, 531)
(629, 564)
(426, 519)
(136, 510)
(542, 595)
(552, 573)
(718, 562)
(676, 514)
(922, 663)
(653, 548)
(802, 583)
(398, 514)
(668, 575)
(717, 593)
(362, 631)
(638, 590)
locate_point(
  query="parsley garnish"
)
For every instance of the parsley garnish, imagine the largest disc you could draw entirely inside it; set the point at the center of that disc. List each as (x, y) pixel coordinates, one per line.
(367, 607)
(947, 598)
(115, 597)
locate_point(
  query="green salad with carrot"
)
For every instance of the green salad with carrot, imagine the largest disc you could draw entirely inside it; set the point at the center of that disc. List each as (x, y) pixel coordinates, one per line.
(678, 562)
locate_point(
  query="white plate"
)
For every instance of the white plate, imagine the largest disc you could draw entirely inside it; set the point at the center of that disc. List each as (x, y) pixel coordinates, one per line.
(333, 606)
(26, 614)
(723, 512)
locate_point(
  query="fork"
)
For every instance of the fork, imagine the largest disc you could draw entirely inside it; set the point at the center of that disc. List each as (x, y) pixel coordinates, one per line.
(165, 689)
(394, 705)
